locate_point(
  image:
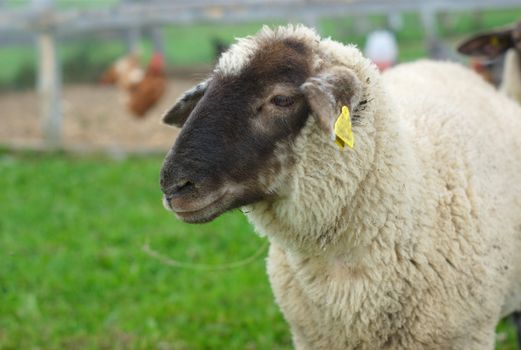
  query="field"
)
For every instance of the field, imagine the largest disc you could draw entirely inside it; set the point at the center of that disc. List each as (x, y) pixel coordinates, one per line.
(74, 271)
(74, 274)
(93, 118)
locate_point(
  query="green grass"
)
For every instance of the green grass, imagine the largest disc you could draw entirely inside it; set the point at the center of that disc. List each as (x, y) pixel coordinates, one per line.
(73, 273)
(14, 62)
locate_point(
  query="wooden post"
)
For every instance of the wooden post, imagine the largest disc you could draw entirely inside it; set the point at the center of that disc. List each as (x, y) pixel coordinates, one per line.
(312, 21)
(49, 77)
(132, 34)
(49, 86)
(435, 48)
(362, 24)
(133, 40)
(395, 21)
(158, 41)
(428, 17)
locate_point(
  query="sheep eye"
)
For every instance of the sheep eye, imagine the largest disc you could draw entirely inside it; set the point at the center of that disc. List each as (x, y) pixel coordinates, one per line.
(282, 101)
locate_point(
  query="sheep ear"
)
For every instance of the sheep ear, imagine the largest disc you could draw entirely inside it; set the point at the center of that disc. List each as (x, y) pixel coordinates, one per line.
(328, 91)
(489, 45)
(178, 114)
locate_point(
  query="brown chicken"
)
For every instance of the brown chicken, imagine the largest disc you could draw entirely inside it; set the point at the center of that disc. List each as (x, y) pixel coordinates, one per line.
(140, 89)
(143, 95)
(124, 73)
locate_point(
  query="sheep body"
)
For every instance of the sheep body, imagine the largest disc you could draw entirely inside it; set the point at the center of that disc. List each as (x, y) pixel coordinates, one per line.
(410, 240)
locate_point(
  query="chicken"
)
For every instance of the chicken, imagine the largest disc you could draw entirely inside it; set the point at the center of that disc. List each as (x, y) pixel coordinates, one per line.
(382, 49)
(124, 73)
(143, 95)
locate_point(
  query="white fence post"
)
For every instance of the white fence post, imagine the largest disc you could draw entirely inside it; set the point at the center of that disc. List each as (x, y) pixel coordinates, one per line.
(49, 86)
(133, 39)
(428, 18)
(158, 40)
(49, 77)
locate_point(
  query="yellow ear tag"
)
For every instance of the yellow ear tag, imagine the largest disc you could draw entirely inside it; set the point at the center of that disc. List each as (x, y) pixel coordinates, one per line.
(344, 130)
(494, 41)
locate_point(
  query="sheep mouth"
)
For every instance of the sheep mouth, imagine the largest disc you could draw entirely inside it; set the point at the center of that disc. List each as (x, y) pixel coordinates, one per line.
(196, 213)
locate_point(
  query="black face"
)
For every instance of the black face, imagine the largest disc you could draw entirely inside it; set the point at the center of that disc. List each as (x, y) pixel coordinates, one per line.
(492, 44)
(236, 141)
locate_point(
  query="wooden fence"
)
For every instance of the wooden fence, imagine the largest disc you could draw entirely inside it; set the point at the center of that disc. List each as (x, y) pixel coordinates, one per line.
(40, 19)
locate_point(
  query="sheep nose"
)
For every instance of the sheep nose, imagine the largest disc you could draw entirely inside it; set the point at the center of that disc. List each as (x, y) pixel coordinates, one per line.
(174, 194)
(181, 187)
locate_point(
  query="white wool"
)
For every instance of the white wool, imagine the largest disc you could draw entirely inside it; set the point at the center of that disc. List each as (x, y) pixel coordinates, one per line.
(240, 54)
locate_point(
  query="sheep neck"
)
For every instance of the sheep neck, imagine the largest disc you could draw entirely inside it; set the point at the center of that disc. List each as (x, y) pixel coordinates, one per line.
(366, 190)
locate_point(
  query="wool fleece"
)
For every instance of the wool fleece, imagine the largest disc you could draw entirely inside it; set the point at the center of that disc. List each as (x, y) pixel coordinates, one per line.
(412, 239)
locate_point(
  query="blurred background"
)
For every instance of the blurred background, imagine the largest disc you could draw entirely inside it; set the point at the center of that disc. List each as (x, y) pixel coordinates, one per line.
(86, 250)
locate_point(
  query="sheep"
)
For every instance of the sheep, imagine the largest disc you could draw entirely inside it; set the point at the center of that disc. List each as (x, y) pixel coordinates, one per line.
(409, 240)
(495, 43)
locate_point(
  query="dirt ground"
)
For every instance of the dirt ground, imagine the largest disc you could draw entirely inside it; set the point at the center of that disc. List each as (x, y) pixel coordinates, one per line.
(94, 118)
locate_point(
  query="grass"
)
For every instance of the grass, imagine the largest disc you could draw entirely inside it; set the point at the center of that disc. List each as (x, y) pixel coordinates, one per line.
(74, 274)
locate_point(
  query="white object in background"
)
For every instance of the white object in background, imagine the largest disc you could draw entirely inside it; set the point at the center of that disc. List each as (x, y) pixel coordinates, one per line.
(381, 48)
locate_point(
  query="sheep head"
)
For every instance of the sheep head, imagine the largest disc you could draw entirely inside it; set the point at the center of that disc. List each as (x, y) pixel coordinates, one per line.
(239, 126)
(493, 43)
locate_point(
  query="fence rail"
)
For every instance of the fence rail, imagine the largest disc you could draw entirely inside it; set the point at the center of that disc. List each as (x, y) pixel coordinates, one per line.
(159, 13)
(43, 21)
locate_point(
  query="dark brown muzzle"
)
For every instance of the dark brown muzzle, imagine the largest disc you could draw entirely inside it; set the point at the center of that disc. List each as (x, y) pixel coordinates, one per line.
(183, 181)
(189, 189)
(193, 175)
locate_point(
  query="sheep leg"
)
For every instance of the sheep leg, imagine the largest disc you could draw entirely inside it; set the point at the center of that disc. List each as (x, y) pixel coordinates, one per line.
(516, 317)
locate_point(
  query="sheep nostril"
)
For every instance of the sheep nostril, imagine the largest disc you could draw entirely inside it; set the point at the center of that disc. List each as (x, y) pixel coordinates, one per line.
(183, 187)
